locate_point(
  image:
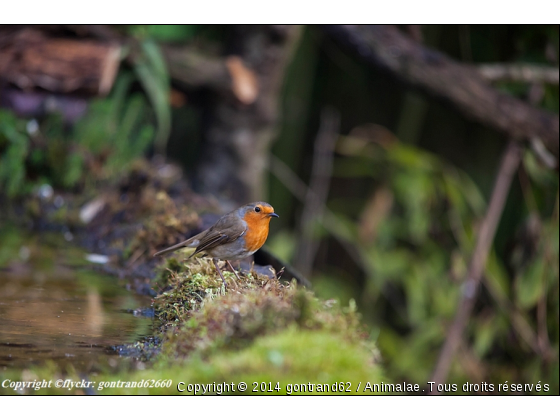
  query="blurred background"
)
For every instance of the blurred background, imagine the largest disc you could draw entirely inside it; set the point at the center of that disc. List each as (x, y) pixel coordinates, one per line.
(379, 147)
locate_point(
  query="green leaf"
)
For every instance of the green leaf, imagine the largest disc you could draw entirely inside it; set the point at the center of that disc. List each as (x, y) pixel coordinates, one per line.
(74, 169)
(152, 72)
(12, 163)
(172, 33)
(540, 174)
(529, 286)
(497, 278)
(484, 336)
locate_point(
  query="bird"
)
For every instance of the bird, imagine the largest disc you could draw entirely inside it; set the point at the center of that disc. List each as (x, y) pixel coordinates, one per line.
(235, 235)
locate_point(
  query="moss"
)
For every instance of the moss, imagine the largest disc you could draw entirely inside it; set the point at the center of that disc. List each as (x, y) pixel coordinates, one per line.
(293, 356)
(255, 325)
(166, 222)
(193, 298)
(183, 288)
(289, 357)
(234, 319)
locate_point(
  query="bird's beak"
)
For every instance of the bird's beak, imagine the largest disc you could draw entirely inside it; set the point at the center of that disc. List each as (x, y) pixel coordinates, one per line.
(272, 215)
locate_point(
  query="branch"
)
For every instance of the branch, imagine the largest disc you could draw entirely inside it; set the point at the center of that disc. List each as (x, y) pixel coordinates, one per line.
(32, 59)
(440, 76)
(316, 196)
(195, 69)
(330, 221)
(508, 167)
(519, 73)
(228, 74)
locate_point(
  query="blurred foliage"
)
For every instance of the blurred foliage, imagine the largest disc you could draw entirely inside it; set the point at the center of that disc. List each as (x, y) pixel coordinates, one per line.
(416, 260)
(106, 140)
(405, 217)
(14, 148)
(172, 33)
(414, 233)
(152, 73)
(115, 131)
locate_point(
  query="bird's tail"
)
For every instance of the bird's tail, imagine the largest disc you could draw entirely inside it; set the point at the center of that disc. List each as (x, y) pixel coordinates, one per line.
(184, 244)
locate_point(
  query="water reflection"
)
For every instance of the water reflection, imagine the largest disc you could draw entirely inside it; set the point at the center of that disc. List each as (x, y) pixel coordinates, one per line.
(51, 308)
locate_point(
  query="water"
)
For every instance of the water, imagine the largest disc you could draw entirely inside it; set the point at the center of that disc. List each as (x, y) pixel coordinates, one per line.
(53, 308)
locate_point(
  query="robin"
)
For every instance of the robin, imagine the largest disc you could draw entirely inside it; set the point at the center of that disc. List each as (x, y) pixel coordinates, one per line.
(235, 236)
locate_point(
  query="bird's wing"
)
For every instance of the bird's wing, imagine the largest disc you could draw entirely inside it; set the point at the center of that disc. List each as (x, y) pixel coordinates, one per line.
(217, 236)
(210, 241)
(224, 231)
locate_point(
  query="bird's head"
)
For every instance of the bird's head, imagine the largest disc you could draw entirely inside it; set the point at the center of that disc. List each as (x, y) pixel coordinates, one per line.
(258, 212)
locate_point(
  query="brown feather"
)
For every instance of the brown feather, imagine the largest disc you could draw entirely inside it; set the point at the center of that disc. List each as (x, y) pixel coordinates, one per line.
(224, 231)
(211, 242)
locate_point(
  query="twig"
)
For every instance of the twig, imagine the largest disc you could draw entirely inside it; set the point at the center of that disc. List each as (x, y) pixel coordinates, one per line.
(543, 154)
(316, 195)
(542, 328)
(519, 323)
(508, 167)
(330, 221)
(519, 73)
(542, 335)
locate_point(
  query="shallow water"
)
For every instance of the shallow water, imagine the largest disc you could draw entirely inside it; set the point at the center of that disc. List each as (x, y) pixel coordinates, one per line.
(54, 307)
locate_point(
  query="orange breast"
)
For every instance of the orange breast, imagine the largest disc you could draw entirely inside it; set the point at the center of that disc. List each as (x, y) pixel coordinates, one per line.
(257, 231)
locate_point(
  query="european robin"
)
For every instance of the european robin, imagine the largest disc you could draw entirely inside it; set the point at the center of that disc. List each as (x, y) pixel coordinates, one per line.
(235, 236)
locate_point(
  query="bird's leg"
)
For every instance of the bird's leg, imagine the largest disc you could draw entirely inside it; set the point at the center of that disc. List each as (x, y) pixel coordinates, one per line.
(233, 269)
(215, 260)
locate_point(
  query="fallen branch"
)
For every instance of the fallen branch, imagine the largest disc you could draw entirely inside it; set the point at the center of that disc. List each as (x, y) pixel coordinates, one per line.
(194, 69)
(32, 59)
(440, 76)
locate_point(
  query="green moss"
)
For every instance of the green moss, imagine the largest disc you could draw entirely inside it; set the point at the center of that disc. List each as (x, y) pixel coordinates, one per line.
(292, 356)
(10, 245)
(198, 314)
(165, 221)
(184, 287)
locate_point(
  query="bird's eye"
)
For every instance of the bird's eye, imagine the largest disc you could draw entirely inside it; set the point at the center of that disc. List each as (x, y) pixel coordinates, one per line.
(257, 209)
